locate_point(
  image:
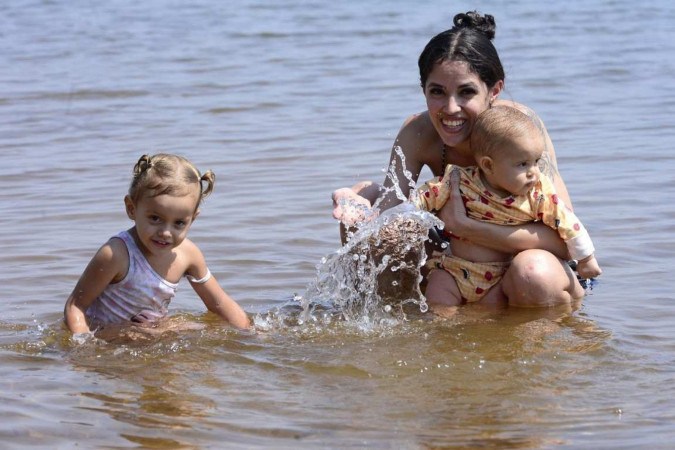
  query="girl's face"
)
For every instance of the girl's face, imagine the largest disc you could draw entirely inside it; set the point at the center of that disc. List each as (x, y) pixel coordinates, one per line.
(455, 97)
(515, 169)
(162, 222)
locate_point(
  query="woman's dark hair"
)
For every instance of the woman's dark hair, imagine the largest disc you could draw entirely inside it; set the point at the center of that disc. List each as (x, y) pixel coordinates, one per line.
(469, 40)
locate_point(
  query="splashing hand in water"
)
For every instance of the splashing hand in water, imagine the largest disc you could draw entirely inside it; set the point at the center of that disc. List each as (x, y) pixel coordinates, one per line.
(350, 208)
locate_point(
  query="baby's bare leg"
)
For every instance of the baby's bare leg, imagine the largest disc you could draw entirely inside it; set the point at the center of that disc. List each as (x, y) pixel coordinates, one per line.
(442, 289)
(442, 293)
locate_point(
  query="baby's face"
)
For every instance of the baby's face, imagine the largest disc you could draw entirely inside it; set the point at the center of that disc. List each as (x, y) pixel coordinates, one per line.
(516, 167)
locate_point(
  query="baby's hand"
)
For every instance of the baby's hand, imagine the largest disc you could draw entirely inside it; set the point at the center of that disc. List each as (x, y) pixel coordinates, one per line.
(349, 207)
(589, 268)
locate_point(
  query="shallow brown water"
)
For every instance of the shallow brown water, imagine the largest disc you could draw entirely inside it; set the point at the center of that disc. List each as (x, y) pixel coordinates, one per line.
(286, 103)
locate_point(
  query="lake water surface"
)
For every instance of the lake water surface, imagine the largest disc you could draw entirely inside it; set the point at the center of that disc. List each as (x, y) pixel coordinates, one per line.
(286, 101)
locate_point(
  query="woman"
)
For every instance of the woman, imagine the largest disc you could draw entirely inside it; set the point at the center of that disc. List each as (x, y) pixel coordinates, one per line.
(461, 76)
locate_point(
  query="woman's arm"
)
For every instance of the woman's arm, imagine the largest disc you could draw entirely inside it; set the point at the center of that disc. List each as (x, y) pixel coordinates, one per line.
(549, 163)
(411, 144)
(414, 139)
(109, 264)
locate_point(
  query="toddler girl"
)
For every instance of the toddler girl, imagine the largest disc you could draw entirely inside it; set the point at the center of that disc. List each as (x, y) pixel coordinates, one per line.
(133, 277)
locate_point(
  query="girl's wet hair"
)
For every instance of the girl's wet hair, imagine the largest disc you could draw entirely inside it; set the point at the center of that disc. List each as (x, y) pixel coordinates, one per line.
(469, 40)
(167, 174)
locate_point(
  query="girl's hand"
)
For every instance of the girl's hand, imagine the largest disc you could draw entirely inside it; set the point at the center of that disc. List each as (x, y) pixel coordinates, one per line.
(219, 302)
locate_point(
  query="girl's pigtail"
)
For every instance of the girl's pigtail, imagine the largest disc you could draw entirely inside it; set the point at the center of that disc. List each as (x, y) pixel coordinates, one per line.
(144, 163)
(207, 181)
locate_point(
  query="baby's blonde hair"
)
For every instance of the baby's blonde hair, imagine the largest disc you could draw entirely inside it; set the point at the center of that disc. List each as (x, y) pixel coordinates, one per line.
(167, 174)
(497, 127)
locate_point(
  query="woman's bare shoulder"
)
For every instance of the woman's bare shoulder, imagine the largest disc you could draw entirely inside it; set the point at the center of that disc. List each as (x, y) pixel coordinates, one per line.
(418, 121)
(519, 106)
(418, 129)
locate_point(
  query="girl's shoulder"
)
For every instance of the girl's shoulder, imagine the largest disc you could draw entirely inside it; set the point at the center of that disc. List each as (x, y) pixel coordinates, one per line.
(189, 251)
(192, 259)
(114, 249)
(113, 255)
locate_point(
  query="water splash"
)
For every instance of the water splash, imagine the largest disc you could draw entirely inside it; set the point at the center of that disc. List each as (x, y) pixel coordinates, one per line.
(372, 279)
(393, 176)
(378, 271)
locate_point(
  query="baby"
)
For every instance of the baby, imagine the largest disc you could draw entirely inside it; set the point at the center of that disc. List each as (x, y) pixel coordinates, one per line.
(505, 187)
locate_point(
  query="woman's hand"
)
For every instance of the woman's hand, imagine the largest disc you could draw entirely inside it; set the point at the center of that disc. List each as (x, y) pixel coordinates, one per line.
(349, 207)
(453, 213)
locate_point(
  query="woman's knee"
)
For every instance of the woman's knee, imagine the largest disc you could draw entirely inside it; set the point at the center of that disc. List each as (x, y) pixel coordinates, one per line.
(537, 278)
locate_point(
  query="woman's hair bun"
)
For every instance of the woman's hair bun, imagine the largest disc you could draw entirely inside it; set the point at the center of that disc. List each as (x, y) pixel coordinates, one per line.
(484, 24)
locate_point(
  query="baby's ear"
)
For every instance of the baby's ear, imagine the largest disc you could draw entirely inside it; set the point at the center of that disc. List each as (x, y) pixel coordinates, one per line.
(131, 209)
(486, 164)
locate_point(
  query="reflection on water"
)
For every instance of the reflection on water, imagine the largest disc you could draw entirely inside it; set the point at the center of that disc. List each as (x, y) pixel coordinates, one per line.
(450, 369)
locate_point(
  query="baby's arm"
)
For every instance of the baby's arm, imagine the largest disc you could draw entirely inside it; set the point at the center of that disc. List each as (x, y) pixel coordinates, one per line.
(212, 294)
(505, 239)
(435, 193)
(109, 264)
(555, 213)
(589, 267)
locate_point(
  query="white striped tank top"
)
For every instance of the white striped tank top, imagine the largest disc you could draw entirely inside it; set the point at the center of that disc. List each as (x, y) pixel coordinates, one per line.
(142, 291)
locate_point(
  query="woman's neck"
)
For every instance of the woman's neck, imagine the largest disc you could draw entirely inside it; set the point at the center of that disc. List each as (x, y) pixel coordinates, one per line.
(459, 156)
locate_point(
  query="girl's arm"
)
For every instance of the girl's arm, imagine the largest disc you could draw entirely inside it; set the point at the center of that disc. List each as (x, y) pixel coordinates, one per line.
(109, 264)
(212, 294)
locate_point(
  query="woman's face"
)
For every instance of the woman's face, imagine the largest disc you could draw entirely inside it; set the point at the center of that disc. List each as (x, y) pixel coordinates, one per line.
(455, 97)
